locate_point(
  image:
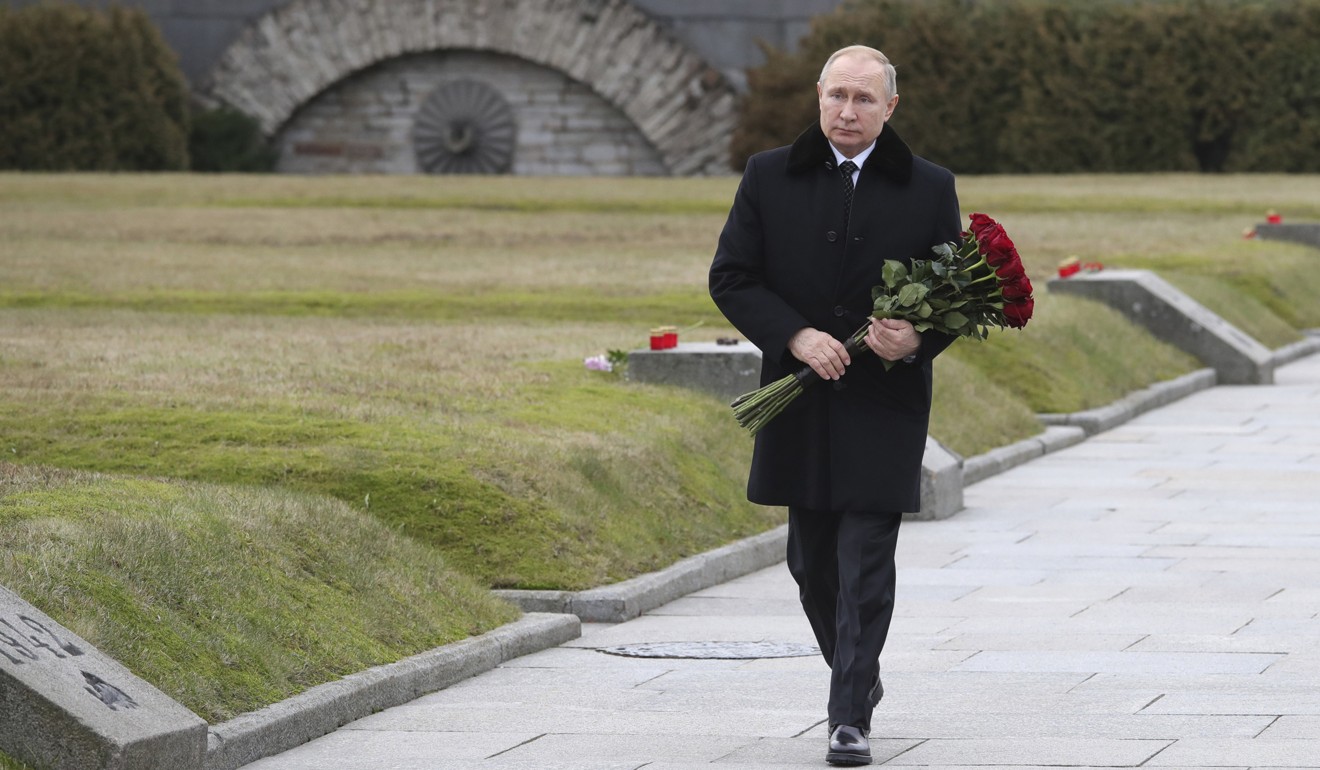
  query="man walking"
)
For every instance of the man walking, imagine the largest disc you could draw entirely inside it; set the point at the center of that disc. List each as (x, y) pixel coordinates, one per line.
(806, 239)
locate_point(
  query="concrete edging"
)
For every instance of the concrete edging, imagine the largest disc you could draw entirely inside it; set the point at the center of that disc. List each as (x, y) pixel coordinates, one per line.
(326, 707)
(1139, 402)
(628, 599)
(1000, 459)
(1299, 349)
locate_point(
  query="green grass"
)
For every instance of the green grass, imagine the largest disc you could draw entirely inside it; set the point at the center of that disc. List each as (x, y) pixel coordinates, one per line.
(561, 305)
(569, 481)
(1075, 354)
(227, 597)
(9, 763)
(336, 395)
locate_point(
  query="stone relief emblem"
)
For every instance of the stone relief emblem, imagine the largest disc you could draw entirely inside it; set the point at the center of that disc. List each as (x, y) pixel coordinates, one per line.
(465, 127)
(108, 694)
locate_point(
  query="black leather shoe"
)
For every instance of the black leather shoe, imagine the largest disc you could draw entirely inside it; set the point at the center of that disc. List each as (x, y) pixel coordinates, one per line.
(848, 747)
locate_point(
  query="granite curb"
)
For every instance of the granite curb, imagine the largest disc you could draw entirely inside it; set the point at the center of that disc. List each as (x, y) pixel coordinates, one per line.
(1139, 402)
(324, 708)
(1298, 350)
(628, 599)
(1000, 459)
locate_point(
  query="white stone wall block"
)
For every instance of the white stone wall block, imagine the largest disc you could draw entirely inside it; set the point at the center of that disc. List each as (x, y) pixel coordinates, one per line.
(295, 54)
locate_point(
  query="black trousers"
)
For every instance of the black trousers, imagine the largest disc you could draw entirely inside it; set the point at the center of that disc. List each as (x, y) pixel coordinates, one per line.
(843, 563)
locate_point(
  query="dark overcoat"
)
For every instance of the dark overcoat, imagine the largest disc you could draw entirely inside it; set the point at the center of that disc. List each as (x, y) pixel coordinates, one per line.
(785, 261)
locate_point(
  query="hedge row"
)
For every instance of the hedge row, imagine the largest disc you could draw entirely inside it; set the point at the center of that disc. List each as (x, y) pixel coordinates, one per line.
(1019, 86)
(89, 90)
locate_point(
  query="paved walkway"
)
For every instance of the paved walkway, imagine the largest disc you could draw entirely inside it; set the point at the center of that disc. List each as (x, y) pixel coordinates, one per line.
(1148, 598)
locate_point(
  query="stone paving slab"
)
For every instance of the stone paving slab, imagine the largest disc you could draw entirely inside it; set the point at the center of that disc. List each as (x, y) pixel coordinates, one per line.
(1046, 642)
(1261, 752)
(1213, 643)
(1042, 767)
(634, 748)
(1101, 752)
(806, 750)
(1090, 661)
(1148, 597)
(1293, 728)
(991, 725)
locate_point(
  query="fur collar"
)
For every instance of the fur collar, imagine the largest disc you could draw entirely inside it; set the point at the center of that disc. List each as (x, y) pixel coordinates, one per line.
(890, 158)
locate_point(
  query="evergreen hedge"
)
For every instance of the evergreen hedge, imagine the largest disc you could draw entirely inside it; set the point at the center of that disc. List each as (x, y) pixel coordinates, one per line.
(224, 139)
(1022, 86)
(89, 90)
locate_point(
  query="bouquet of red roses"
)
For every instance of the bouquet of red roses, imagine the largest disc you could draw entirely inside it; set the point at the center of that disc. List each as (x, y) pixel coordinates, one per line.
(962, 291)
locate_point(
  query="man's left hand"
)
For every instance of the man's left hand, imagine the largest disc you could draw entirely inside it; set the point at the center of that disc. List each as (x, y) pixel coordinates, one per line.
(892, 339)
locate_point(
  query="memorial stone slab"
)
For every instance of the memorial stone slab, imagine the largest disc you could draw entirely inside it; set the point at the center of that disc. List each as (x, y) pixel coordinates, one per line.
(1306, 233)
(726, 371)
(68, 706)
(1178, 319)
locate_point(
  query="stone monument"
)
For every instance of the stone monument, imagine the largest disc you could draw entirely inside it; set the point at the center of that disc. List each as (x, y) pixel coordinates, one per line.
(1178, 319)
(67, 706)
(1306, 233)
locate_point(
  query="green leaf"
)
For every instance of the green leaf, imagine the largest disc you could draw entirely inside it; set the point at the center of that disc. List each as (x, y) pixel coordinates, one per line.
(893, 273)
(912, 294)
(924, 311)
(954, 319)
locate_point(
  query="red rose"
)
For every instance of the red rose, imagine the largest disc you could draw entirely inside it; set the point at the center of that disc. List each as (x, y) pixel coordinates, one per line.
(1010, 271)
(981, 223)
(1016, 314)
(1017, 289)
(993, 243)
(997, 248)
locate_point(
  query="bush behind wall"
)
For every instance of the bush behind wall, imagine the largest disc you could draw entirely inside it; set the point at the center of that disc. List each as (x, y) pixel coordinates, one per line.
(1023, 86)
(89, 90)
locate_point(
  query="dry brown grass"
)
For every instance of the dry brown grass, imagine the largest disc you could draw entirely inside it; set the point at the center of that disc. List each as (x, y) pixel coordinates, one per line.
(352, 250)
(338, 366)
(120, 233)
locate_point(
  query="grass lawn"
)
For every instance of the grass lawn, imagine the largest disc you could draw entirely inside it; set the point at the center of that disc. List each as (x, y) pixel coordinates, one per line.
(283, 412)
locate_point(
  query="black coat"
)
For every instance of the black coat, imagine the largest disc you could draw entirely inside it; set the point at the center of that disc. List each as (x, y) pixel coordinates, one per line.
(783, 263)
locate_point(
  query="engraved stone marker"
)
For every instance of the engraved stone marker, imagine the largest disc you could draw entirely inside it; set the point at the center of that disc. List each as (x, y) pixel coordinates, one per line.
(1307, 233)
(65, 705)
(1179, 320)
(726, 371)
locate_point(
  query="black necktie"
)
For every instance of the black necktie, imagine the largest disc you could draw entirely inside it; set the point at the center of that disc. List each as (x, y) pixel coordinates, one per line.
(847, 168)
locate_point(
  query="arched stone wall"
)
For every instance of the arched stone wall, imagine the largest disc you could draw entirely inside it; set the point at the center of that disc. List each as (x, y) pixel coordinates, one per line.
(367, 122)
(683, 107)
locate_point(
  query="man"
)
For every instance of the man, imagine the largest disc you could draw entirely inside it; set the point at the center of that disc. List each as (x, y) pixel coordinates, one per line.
(806, 239)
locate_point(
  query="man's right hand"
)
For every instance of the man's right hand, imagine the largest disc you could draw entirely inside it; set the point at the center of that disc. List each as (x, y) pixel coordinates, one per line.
(825, 355)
